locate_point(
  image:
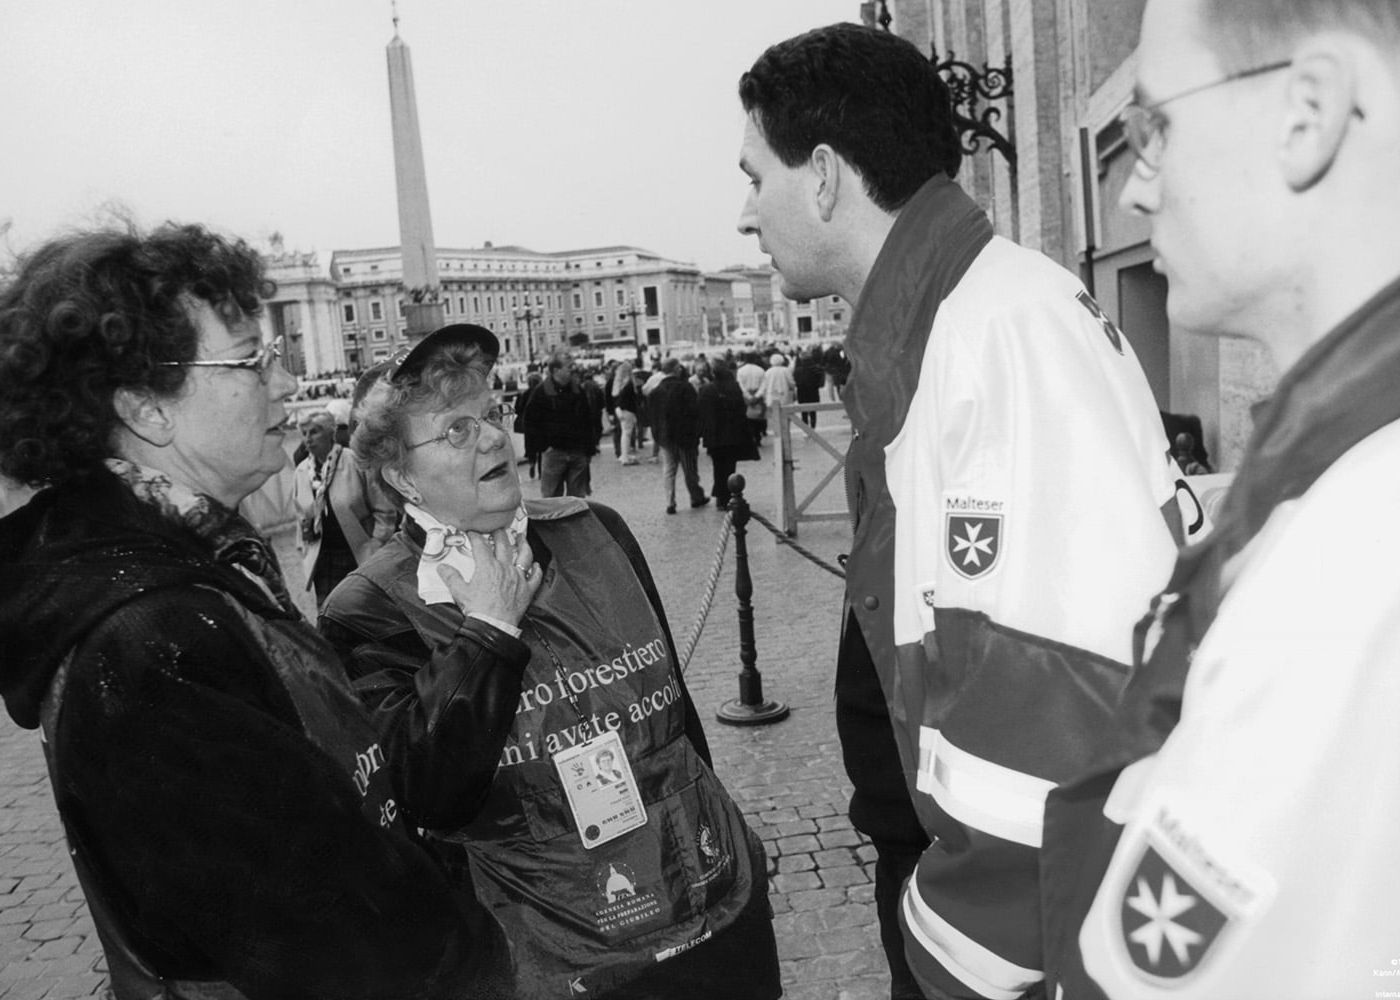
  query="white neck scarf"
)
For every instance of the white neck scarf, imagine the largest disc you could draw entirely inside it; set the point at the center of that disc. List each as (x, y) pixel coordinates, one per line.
(446, 545)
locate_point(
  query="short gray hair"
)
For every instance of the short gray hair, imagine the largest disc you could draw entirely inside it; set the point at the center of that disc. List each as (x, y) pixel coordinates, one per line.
(1244, 33)
(322, 417)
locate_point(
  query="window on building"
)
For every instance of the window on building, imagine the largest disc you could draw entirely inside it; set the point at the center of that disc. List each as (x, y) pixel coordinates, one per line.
(345, 270)
(836, 300)
(539, 299)
(402, 310)
(804, 324)
(621, 297)
(446, 305)
(600, 319)
(515, 301)
(376, 311)
(348, 311)
(374, 267)
(597, 298)
(377, 334)
(578, 300)
(462, 304)
(578, 321)
(836, 316)
(652, 300)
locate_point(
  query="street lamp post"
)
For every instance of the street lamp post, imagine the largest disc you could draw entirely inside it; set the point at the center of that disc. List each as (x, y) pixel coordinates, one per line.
(634, 312)
(529, 316)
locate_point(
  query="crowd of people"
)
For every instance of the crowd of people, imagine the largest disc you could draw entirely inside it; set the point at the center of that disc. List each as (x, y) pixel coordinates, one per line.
(565, 414)
(1093, 763)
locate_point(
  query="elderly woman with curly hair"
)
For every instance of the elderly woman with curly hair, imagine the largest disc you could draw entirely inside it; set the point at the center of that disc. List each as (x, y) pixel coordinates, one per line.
(599, 836)
(224, 795)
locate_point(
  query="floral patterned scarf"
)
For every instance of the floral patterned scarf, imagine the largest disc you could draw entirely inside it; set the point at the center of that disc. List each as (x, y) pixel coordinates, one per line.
(234, 542)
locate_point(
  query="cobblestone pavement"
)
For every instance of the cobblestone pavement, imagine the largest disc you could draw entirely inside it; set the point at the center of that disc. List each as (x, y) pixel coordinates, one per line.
(787, 776)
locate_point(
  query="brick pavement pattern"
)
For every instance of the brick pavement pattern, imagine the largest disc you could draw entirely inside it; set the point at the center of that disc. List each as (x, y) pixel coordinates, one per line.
(787, 776)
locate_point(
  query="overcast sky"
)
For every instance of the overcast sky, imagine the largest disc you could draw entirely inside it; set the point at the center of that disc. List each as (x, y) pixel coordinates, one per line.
(552, 124)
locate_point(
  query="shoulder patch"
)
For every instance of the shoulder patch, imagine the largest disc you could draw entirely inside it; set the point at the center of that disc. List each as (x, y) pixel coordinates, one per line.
(973, 534)
(1114, 335)
(1179, 904)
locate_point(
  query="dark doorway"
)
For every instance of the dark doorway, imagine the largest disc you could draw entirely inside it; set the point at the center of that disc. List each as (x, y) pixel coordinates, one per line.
(1142, 313)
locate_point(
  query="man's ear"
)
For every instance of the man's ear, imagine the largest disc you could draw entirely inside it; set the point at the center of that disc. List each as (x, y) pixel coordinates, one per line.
(1320, 101)
(827, 168)
(145, 415)
(401, 483)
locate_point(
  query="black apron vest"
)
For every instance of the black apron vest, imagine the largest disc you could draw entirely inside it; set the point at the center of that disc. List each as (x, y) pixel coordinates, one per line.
(583, 921)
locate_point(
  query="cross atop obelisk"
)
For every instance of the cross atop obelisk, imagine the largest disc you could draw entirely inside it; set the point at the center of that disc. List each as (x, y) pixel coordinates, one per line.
(420, 275)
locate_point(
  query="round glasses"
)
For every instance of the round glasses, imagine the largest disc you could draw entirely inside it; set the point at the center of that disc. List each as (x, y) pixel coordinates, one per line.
(464, 431)
(262, 362)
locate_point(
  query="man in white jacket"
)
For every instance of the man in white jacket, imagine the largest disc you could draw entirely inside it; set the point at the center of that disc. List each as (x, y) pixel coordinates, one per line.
(1248, 850)
(1007, 473)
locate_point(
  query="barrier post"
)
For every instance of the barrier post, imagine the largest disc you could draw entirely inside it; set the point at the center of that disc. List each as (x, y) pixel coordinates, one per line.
(750, 708)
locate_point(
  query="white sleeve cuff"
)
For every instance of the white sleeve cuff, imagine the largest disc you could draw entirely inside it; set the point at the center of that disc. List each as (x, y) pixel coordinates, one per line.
(505, 627)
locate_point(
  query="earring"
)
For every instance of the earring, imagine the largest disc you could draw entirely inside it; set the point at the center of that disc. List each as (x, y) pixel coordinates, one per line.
(415, 498)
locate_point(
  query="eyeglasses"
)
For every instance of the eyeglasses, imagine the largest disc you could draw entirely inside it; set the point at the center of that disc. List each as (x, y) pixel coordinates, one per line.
(1145, 127)
(261, 362)
(464, 431)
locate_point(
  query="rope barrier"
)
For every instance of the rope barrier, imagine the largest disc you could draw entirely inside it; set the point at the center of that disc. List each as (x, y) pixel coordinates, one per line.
(697, 625)
(785, 540)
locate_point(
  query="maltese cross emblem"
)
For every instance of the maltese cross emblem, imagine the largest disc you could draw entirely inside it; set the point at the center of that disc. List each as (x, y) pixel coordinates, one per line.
(973, 543)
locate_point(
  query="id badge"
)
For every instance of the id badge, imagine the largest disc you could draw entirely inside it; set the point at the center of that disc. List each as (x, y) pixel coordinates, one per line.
(602, 793)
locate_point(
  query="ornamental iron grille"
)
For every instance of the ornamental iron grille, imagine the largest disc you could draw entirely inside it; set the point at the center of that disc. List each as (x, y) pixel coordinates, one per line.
(968, 87)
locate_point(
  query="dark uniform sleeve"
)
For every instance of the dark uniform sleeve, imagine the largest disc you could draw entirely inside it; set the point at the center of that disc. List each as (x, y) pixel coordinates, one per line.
(622, 534)
(443, 714)
(229, 844)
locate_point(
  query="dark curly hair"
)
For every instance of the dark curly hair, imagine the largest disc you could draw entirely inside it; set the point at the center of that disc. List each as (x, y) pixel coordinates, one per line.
(869, 95)
(93, 312)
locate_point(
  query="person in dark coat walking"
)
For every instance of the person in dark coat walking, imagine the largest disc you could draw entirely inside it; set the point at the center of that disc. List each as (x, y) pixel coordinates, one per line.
(724, 428)
(808, 375)
(675, 419)
(532, 442)
(566, 416)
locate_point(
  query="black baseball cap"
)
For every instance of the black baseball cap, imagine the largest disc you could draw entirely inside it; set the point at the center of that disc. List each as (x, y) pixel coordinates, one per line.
(410, 361)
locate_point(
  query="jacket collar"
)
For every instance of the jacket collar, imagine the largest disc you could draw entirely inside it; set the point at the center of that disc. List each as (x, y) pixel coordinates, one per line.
(933, 242)
(1339, 392)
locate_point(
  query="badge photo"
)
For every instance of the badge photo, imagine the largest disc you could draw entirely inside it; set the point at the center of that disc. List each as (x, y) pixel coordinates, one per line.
(973, 543)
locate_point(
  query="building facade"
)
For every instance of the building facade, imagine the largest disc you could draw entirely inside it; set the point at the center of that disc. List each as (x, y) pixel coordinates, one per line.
(303, 312)
(595, 298)
(1073, 64)
(748, 301)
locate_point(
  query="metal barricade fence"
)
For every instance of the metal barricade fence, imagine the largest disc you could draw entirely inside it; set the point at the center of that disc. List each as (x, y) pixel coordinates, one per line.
(791, 510)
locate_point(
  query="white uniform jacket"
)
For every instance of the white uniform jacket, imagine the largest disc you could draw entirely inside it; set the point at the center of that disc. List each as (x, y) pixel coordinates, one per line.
(1259, 854)
(1027, 480)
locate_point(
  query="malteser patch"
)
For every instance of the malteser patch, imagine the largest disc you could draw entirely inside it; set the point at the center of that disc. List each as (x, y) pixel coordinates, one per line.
(974, 534)
(1180, 904)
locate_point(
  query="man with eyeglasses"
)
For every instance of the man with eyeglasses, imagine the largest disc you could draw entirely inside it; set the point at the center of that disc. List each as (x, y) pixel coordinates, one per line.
(1008, 476)
(1237, 838)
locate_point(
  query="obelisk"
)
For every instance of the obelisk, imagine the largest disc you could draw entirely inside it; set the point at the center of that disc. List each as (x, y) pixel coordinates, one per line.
(423, 310)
